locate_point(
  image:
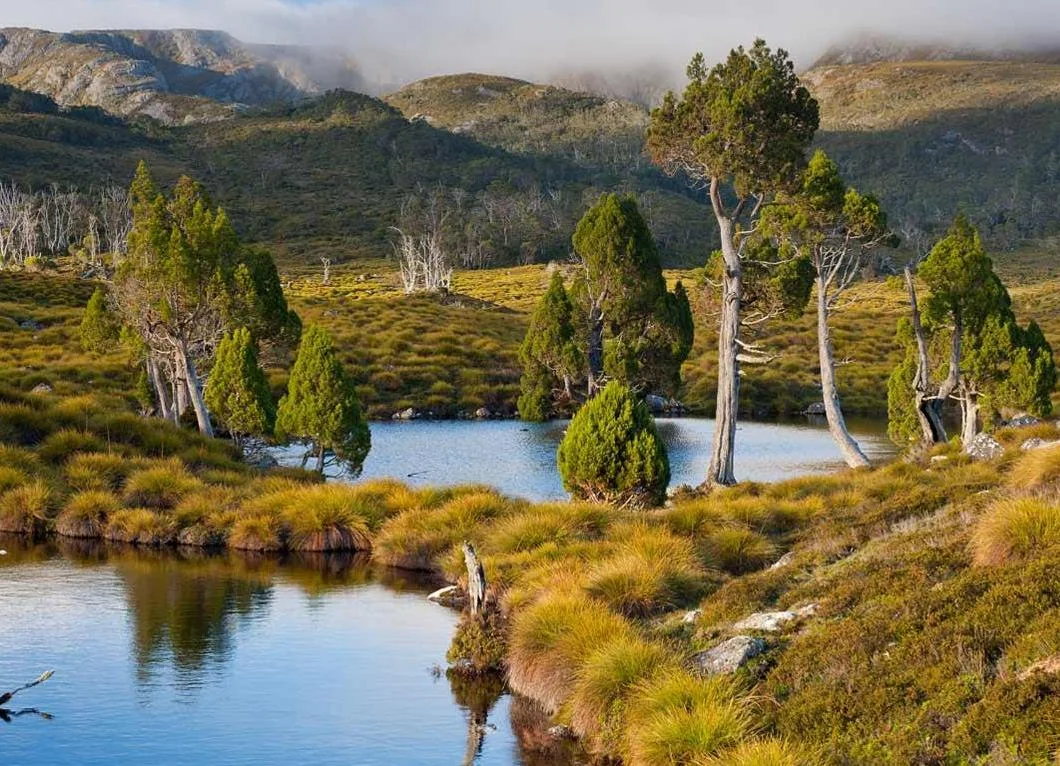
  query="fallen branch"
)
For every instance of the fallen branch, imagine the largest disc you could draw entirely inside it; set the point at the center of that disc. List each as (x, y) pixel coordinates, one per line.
(8, 695)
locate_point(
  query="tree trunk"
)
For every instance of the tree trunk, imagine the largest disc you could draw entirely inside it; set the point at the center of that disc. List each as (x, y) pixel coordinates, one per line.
(969, 416)
(596, 350)
(194, 388)
(721, 468)
(476, 580)
(320, 458)
(180, 390)
(928, 414)
(852, 453)
(156, 383)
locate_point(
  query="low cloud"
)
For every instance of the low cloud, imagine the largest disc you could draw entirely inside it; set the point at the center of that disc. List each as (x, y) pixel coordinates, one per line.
(396, 41)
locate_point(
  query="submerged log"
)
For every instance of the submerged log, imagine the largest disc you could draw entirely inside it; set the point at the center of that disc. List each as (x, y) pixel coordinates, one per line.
(43, 677)
(476, 580)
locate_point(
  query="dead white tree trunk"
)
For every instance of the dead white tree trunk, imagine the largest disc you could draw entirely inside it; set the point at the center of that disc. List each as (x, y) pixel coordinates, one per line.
(721, 470)
(476, 580)
(194, 387)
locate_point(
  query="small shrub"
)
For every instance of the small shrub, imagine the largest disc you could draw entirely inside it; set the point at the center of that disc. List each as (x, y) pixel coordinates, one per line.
(26, 510)
(1014, 530)
(676, 719)
(85, 514)
(161, 487)
(612, 452)
(479, 645)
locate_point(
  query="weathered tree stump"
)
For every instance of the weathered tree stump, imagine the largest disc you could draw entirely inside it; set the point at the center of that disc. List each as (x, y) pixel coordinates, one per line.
(476, 580)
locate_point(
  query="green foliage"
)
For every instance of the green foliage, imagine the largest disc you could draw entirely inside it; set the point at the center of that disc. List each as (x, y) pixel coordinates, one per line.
(321, 404)
(747, 121)
(99, 329)
(612, 452)
(549, 351)
(237, 392)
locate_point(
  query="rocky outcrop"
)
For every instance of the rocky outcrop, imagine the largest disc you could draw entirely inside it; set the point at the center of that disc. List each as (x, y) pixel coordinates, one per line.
(984, 447)
(175, 76)
(771, 622)
(1036, 443)
(729, 656)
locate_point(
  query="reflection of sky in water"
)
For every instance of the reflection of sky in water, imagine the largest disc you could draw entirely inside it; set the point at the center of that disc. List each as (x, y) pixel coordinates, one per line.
(520, 458)
(159, 662)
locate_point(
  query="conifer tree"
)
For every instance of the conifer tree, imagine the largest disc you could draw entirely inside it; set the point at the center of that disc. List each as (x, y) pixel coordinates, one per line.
(612, 452)
(549, 352)
(321, 405)
(237, 392)
(99, 326)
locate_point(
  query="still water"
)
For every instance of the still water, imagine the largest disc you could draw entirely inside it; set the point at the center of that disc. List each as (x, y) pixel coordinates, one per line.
(520, 458)
(167, 658)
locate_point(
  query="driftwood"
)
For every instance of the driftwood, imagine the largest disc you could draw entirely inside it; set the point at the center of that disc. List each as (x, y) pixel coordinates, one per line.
(476, 580)
(8, 695)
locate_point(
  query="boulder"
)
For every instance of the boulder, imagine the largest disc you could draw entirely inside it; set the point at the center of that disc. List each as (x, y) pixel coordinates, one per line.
(42, 388)
(984, 447)
(817, 408)
(771, 622)
(1022, 421)
(728, 656)
(656, 403)
(30, 324)
(1036, 443)
(483, 414)
(783, 561)
(691, 617)
(561, 732)
(406, 414)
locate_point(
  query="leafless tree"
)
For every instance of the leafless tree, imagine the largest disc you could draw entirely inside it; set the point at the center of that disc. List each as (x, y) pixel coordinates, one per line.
(326, 277)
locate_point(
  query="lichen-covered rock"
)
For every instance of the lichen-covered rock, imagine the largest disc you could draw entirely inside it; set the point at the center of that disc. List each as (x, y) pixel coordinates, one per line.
(771, 622)
(817, 408)
(1022, 421)
(42, 388)
(984, 447)
(1036, 443)
(728, 656)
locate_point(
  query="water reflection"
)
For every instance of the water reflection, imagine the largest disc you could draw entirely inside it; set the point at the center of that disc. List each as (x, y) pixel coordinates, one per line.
(202, 658)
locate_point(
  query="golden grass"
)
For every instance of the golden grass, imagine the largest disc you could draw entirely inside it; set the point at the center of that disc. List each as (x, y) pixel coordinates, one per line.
(85, 514)
(550, 640)
(141, 526)
(738, 550)
(98, 470)
(764, 752)
(1035, 468)
(26, 509)
(1016, 529)
(161, 487)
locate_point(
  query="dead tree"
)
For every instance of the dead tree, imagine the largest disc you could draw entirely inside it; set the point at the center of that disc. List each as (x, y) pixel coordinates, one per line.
(476, 580)
(6, 696)
(326, 278)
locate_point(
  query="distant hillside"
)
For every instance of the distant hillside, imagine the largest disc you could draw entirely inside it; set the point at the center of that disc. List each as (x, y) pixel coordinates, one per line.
(175, 76)
(935, 137)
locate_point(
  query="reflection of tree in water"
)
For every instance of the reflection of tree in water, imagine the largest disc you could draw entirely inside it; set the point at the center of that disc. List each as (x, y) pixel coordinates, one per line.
(475, 695)
(538, 747)
(186, 607)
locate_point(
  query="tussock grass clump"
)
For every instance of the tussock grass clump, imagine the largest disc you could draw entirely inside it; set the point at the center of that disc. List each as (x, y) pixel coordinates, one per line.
(761, 513)
(98, 470)
(557, 523)
(1014, 530)
(62, 444)
(765, 752)
(259, 533)
(23, 425)
(324, 527)
(340, 502)
(1035, 468)
(85, 514)
(604, 682)
(26, 509)
(738, 550)
(160, 487)
(418, 539)
(141, 526)
(650, 572)
(550, 641)
(205, 516)
(676, 719)
(20, 459)
(11, 477)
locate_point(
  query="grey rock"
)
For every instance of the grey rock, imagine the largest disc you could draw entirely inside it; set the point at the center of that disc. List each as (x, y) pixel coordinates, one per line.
(561, 732)
(42, 388)
(656, 403)
(1036, 443)
(783, 561)
(1022, 421)
(728, 656)
(407, 414)
(30, 324)
(984, 447)
(817, 408)
(691, 617)
(483, 414)
(771, 622)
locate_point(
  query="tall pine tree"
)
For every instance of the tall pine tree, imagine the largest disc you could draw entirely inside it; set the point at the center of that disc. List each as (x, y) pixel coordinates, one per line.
(237, 392)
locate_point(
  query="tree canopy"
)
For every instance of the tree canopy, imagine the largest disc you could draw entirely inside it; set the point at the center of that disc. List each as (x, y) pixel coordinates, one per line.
(237, 391)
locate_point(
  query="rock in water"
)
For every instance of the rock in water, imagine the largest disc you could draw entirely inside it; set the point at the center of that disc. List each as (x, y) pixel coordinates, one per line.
(984, 447)
(817, 408)
(729, 656)
(483, 414)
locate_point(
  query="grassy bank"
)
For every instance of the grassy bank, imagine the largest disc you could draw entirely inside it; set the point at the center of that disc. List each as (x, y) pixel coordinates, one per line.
(935, 589)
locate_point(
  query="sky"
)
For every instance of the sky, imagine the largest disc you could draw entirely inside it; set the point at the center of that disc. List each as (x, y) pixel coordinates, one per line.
(402, 40)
